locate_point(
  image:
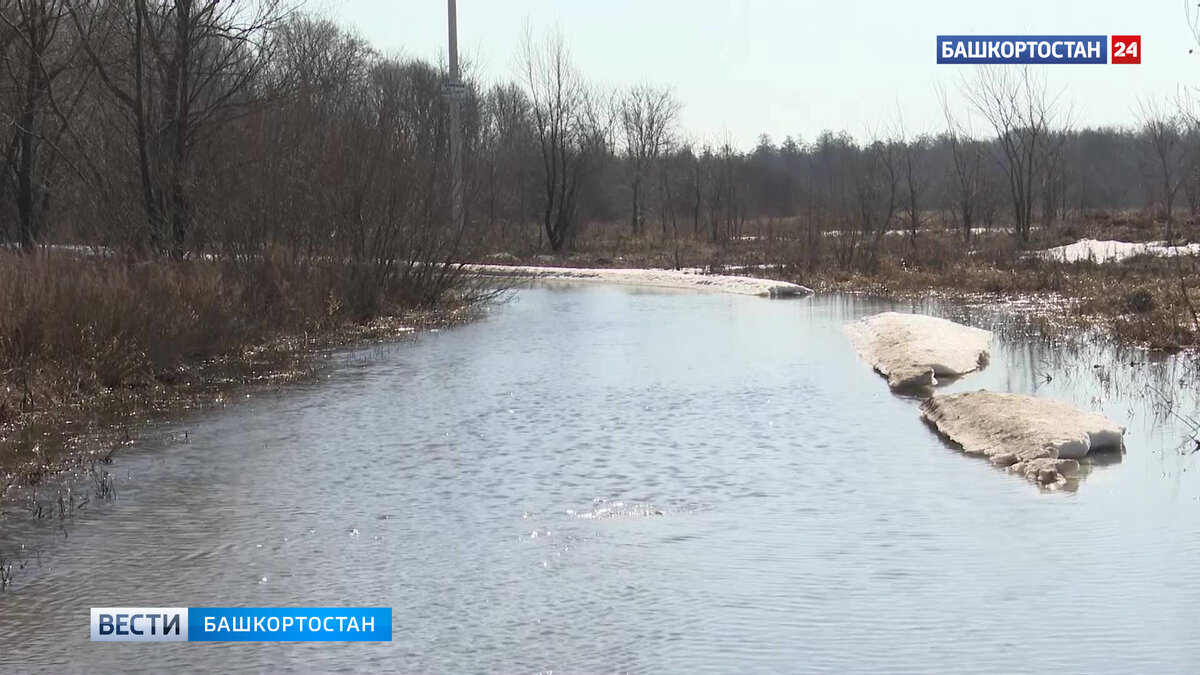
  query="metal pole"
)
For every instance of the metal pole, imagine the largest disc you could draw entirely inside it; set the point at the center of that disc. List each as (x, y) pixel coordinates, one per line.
(455, 92)
(453, 11)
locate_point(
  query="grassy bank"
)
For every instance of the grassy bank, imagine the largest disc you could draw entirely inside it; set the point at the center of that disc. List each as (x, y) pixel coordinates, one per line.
(91, 337)
(1145, 301)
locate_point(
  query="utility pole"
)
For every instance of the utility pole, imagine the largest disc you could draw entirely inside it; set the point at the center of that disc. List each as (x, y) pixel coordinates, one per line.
(454, 91)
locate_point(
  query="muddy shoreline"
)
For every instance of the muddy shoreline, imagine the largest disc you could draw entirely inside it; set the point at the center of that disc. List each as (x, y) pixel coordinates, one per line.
(83, 435)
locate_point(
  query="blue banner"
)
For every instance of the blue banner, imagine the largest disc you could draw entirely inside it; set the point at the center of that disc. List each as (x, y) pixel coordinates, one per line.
(1022, 49)
(241, 624)
(289, 624)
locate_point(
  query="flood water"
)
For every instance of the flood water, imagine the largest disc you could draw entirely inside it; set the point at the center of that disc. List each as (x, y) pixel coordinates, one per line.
(607, 479)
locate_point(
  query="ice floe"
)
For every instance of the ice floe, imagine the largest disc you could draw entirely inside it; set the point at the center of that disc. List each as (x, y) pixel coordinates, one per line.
(1039, 438)
(686, 279)
(913, 350)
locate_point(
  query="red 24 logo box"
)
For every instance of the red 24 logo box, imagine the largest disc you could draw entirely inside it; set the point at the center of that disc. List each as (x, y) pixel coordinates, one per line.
(1126, 49)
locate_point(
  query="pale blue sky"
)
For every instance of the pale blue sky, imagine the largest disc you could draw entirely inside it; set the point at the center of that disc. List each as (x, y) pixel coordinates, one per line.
(741, 68)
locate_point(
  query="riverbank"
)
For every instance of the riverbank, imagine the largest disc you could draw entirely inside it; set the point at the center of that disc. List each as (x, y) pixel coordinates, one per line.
(1142, 298)
(1145, 301)
(91, 348)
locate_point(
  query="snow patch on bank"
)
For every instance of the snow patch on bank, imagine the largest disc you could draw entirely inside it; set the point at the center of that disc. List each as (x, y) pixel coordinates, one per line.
(1041, 439)
(1105, 251)
(686, 279)
(912, 350)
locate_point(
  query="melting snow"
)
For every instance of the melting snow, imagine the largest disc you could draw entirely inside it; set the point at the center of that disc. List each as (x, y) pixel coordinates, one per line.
(1041, 439)
(911, 350)
(1113, 251)
(651, 277)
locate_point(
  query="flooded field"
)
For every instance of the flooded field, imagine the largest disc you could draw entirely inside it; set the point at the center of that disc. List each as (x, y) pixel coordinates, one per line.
(607, 479)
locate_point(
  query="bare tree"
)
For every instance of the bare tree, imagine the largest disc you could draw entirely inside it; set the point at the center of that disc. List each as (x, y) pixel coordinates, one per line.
(190, 67)
(506, 139)
(647, 119)
(569, 132)
(966, 160)
(835, 161)
(696, 186)
(877, 190)
(675, 181)
(723, 182)
(1165, 136)
(39, 54)
(1053, 173)
(912, 157)
(1016, 105)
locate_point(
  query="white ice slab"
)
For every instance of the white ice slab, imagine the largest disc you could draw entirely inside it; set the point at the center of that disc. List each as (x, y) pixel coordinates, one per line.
(1039, 438)
(912, 350)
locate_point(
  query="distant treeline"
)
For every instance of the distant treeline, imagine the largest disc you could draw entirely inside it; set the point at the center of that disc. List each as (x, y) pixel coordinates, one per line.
(198, 125)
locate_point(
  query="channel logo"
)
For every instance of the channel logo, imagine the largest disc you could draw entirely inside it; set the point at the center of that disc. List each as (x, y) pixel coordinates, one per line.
(1038, 49)
(241, 624)
(139, 624)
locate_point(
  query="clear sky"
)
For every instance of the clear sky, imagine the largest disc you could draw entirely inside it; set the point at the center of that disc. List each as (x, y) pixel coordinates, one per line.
(742, 68)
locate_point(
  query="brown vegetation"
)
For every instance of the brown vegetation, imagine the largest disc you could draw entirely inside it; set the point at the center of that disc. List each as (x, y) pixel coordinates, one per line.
(1143, 301)
(100, 335)
(234, 177)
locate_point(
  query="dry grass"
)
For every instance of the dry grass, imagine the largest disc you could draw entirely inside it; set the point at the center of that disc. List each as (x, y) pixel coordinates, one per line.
(72, 328)
(97, 335)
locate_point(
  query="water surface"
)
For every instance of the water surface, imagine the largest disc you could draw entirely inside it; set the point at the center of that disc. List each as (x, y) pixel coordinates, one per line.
(604, 479)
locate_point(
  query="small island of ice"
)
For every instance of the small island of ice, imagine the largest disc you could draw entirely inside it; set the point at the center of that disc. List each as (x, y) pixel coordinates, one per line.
(1041, 439)
(912, 350)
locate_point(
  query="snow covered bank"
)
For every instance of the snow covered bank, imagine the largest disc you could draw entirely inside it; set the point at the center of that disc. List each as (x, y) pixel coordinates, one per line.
(1103, 251)
(911, 350)
(656, 278)
(688, 278)
(1041, 439)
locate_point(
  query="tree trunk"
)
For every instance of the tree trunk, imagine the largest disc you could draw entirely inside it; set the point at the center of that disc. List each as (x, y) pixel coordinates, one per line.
(25, 159)
(176, 97)
(635, 220)
(149, 199)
